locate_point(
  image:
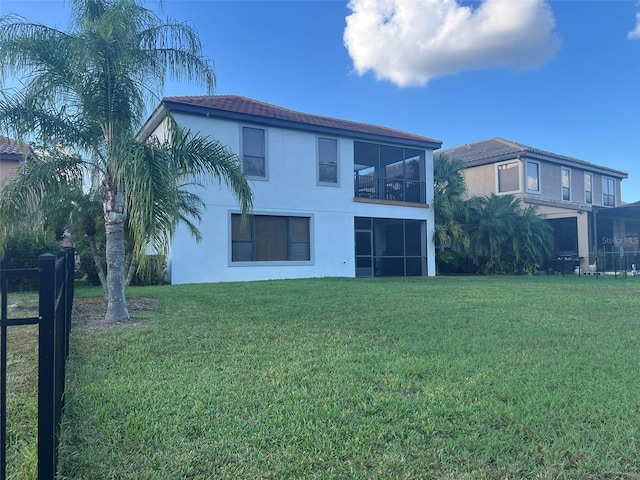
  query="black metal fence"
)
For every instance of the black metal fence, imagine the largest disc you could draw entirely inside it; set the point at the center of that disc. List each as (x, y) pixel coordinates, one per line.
(56, 275)
(614, 261)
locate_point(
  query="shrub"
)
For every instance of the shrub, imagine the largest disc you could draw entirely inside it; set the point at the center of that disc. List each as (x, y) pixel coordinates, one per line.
(23, 249)
(88, 269)
(152, 273)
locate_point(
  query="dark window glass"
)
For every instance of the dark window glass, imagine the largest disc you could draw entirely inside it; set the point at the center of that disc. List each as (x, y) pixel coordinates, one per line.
(608, 192)
(327, 160)
(588, 188)
(566, 184)
(268, 238)
(253, 152)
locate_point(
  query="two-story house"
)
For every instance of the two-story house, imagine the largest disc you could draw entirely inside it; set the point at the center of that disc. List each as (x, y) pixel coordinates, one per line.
(12, 155)
(332, 197)
(568, 191)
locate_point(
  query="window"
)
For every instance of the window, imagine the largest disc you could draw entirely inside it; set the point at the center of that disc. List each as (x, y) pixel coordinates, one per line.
(588, 188)
(327, 160)
(566, 184)
(270, 238)
(508, 177)
(608, 192)
(533, 177)
(253, 152)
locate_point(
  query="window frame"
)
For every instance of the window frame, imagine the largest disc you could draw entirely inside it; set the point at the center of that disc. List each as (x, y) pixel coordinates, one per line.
(319, 162)
(607, 195)
(562, 187)
(290, 240)
(538, 191)
(265, 157)
(588, 200)
(518, 164)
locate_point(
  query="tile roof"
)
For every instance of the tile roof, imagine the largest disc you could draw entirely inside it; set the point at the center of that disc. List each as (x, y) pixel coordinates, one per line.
(498, 149)
(239, 107)
(12, 149)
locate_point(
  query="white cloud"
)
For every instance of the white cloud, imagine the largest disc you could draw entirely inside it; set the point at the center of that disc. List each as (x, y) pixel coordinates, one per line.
(635, 33)
(409, 42)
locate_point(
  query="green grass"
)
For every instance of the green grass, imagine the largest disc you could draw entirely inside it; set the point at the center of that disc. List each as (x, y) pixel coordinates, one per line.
(22, 389)
(452, 378)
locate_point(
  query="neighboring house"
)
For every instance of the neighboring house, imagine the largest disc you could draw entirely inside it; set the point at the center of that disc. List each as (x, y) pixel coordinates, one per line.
(332, 197)
(12, 155)
(568, 191)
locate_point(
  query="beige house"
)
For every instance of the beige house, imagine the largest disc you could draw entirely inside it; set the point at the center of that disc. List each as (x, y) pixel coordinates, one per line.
(12, 154)
(565, 189)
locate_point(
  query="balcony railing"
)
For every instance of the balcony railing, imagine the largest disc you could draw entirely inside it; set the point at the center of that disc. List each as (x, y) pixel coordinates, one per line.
(381, 188)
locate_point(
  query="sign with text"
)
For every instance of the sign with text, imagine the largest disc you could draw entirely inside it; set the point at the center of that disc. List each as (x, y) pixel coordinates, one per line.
(631, 241)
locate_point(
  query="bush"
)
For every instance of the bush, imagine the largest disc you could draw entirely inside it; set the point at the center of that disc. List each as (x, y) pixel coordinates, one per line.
(23, 249)
(88, 269)
(152, 273)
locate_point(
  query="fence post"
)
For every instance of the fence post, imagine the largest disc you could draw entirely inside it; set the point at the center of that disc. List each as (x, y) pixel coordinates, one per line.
(46, 370)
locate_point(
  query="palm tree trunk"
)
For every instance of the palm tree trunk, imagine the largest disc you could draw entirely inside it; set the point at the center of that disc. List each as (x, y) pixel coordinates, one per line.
(98, 263)
(131, 268)
(115, 214)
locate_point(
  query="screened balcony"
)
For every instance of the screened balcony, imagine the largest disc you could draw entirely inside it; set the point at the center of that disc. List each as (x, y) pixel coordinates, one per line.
(389, 173)
(368, 186)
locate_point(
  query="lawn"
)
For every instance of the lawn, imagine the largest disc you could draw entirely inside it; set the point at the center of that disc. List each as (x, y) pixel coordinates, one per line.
(447, 378)
(22, 389)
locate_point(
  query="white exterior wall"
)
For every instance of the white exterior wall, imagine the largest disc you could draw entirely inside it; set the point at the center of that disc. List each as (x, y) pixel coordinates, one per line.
(291, 189)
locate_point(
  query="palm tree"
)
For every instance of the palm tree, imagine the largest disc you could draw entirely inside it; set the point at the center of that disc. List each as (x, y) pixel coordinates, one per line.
(449, 208)
(533, 241)
(87, 89)
(504, 237)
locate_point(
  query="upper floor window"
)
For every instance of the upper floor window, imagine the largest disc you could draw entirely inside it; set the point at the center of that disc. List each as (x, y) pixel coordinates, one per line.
(533, 177)
(270, 238)
(588, 188)
(566, 184)
(327, 160)
(508, 177)
(253, 152)
(608, 192)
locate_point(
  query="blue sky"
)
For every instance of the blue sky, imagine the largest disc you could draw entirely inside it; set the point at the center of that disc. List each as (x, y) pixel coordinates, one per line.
(562, 76)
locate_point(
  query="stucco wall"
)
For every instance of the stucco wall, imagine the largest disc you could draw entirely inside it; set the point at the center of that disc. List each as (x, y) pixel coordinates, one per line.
(291, 189)
(7, 168)
(481, 180)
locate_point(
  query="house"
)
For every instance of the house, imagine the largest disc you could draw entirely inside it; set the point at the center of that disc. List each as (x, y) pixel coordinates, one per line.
(577, 197)
(12, 155)
(333, 198)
